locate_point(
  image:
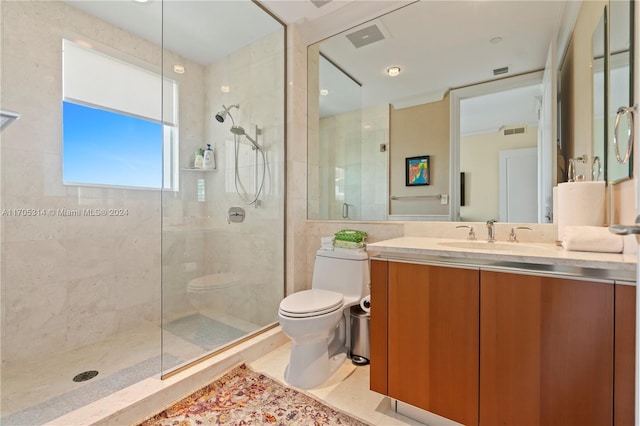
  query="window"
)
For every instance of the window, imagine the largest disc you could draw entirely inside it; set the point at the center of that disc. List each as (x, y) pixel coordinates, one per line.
(108, 148)
(116, 131)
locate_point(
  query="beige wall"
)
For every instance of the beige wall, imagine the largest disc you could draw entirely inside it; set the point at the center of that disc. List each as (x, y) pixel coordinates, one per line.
(479, 160)
(296, 205)
(414, 131)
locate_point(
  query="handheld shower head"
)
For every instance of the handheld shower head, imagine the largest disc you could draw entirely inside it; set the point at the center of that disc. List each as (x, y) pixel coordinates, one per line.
(220, 116)
(239, 131)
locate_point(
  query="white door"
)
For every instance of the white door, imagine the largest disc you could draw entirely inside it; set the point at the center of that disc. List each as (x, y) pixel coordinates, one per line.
(519, 185)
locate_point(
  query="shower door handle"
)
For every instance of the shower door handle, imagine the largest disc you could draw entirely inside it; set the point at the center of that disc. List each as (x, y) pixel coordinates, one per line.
(345, 210)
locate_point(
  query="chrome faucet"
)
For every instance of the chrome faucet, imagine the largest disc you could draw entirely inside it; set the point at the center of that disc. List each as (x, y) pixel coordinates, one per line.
(513, 238)
(491, 231)
(472, 233)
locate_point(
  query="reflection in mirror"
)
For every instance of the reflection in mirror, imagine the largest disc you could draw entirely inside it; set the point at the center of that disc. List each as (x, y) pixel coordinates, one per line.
(499, 149)
(620, 84)
(598, 67)
(409, 114)
(347, 152)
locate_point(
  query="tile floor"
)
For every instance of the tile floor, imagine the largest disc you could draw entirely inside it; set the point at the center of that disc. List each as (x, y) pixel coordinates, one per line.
(347, 390)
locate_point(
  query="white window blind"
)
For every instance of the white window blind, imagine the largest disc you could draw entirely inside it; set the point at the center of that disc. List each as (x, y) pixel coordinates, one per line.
(93, 78)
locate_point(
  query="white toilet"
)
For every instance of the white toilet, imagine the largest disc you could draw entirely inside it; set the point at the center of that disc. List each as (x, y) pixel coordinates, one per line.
(316, 320)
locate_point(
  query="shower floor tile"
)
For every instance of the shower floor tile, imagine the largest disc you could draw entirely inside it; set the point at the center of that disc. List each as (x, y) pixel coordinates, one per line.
(203, 331)
(85, 393)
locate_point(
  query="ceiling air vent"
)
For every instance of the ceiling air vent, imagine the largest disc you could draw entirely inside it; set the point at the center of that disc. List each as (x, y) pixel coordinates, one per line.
(498, 71)
(365, 36)
(320, 3)
(514, 131)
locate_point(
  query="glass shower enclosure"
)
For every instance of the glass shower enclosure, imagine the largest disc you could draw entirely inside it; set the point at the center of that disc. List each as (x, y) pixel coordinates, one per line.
(119, 258)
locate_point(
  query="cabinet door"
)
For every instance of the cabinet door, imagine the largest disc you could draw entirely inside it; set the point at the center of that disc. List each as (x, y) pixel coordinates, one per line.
(433, 339)
(546, 351)
(625, 340)
(378, 327)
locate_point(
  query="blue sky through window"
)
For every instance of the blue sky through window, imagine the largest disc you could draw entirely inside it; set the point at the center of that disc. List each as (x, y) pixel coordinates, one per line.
(107, 148)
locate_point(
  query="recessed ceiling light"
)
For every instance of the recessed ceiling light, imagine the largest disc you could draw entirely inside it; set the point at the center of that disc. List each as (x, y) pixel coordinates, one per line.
(178, 68)
(225, 89)
(393, 71)
(495, 40)
(142, 1)
(324, 92)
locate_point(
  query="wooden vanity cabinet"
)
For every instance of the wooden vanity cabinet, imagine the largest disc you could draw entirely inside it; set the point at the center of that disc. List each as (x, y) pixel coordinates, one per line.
(546, 351)
(503, 348)
(432, 337)
(625, 339)
(378, 327)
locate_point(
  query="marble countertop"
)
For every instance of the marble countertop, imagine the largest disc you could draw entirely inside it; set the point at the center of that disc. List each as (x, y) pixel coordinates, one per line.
(517, 253)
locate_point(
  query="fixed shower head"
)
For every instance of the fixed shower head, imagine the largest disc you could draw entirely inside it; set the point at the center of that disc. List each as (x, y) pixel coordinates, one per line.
(220, 116)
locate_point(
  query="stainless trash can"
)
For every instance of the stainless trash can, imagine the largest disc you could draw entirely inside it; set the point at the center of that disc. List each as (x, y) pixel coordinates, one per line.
(359, 329)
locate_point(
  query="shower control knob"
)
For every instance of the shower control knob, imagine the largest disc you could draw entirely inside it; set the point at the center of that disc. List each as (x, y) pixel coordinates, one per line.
(235, 215)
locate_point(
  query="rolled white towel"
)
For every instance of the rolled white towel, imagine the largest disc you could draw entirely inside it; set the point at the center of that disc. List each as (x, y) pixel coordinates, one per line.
(591, 238)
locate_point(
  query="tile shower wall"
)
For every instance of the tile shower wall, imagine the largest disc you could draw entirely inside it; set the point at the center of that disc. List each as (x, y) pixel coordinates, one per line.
(253, 251)
(71, 281)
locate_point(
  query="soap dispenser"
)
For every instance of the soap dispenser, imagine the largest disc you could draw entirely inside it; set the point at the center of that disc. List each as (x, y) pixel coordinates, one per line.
(199, 161)
(209, 161)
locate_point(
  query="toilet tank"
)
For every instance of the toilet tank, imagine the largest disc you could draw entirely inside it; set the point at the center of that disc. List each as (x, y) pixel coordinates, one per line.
(342, 271)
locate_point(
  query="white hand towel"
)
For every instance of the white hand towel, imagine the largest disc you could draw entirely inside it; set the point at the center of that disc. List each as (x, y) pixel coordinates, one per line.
(591, 238)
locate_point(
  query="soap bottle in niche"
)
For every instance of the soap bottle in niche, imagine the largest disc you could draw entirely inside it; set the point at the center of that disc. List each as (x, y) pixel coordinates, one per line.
(209, 161)
(199, 161)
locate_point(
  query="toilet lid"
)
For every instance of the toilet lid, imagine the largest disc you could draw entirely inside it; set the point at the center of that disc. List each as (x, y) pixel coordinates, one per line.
(310, 303)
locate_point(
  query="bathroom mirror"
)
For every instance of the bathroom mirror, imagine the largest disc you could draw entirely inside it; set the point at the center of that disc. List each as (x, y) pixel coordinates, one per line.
(620, 83)
(597, 163)
(412, 39)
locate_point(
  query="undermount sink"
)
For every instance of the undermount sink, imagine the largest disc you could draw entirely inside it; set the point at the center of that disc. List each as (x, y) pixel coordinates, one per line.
(484, 245)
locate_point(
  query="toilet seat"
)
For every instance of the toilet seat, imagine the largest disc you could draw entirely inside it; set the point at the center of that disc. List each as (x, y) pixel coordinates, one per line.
(218, 281)
(310, 303)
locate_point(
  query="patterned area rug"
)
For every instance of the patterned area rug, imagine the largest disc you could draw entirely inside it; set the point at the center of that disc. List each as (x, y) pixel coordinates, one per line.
(244, 397)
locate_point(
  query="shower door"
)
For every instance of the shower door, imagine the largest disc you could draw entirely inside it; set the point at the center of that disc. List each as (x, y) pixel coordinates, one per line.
(222, 280)
(80, 201)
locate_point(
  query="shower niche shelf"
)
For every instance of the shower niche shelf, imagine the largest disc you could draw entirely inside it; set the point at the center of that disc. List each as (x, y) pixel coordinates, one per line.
(193, 169)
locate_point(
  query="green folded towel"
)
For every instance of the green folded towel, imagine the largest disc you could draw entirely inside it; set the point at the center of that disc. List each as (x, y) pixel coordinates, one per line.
(351, 235)
(348, 244)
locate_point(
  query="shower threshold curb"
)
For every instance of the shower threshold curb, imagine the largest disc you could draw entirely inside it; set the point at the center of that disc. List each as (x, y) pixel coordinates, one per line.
(143, 399)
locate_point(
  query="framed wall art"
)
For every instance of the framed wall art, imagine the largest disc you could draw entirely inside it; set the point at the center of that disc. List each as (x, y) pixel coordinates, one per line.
(417, 170)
